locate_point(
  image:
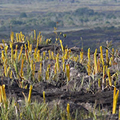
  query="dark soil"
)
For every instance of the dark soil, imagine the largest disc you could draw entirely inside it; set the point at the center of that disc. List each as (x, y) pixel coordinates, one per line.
(90, 38)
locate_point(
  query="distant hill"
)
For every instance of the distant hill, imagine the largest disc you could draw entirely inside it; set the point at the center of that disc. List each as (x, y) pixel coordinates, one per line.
(72, 1)
(18, 1)
(31, 1)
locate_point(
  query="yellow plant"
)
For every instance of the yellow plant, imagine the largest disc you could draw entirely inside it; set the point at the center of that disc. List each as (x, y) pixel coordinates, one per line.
(109, 77)
(47, 58)
(57, 62)
(17, 37)
(50, 57)
(55, 68)
(11, 46)
(30, 48)
(40, 67)
(81, 56)
(115, 98)
(21, 37)
(40, 71)
(63, 62)
(89, 63)
(25, 46)
(68, 72)
(3, 56)
(26, 55)
(20, 53)
(5, 48)
(76, 58)
(66, 54)
(11, 75)
(99, 83)
(47, 72)
(89, 55)
(8, 69)
(61, 46)
(21, 71)
(15, 56)
(34, 35)
(44, 55)
(30, 91)
(95, 62)
(3, 43)
(107, 59)
(68, 111)
(38, 41)
(38, 56)
(101, 55)
(2, 94)
(68, 108)
(28, 45)
(98, 66)
(12, 37)
(40, 37)
(44, 96)
(47, 40)
(31, 65)
(69, 53)
(111, 61)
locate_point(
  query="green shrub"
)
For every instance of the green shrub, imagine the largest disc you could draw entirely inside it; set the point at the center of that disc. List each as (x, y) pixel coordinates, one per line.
(23, 15)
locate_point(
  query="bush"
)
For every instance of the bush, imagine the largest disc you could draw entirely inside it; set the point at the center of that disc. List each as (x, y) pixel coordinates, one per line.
(16, 22)
(51, 24)
(23, 15)
(82, 11)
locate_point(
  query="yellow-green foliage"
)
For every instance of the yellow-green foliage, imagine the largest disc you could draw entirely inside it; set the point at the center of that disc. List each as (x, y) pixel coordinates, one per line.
(115, 98)
(81, 56)
(21, 71)
(68, 72)
(107, 59)
(101, 55)
(20, 53)
(30, 92)
(11, 46)
(3, 94)
(95, 62)
(61, 46)
(44, 96)
(34, 35)
(68, 111)
(109, 77)
(29, 58)
(89, 64)
(12, 37)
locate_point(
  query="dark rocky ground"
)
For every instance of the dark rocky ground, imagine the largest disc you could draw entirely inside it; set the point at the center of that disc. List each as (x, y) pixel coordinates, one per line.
(89, 38)
(81, 92)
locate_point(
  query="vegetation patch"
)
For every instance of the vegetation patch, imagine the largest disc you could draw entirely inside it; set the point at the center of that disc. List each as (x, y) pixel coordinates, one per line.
(44, 80)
